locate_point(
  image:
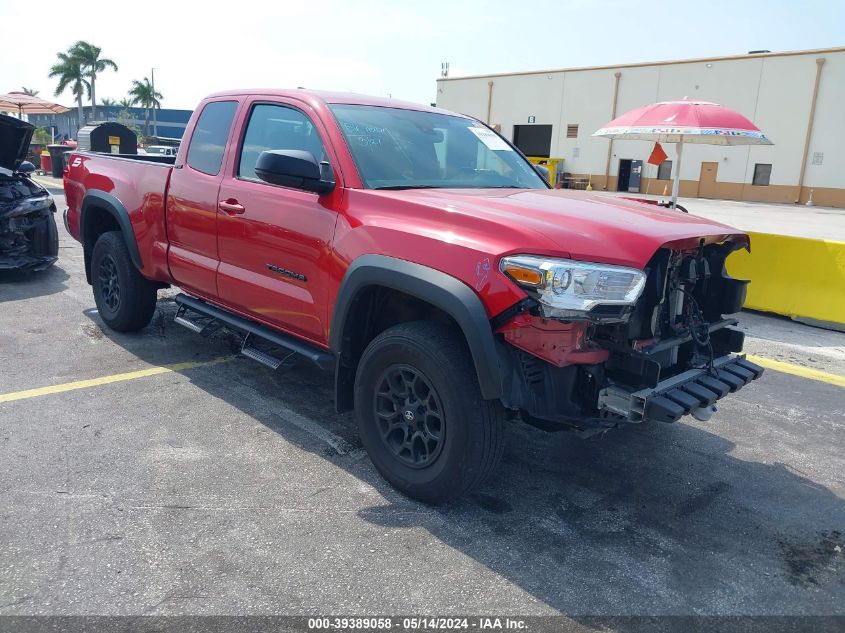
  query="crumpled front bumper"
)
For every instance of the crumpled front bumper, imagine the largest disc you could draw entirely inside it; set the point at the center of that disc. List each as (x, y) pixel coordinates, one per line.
(680, 395)
(32, 263)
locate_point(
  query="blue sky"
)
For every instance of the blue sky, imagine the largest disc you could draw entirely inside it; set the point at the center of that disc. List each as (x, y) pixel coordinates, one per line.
(387, 48)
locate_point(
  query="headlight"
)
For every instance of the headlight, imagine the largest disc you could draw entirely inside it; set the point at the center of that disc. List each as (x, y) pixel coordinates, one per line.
(29, 205)
(568, 289)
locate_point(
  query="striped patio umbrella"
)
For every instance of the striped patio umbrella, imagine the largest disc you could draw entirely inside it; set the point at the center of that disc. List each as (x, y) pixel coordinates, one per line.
(27, 104)
(684, 121)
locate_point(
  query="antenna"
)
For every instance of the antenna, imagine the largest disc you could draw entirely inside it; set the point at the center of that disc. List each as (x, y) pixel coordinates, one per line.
(444, 69)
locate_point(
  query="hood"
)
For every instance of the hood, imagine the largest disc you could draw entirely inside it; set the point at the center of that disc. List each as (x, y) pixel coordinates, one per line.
(15, 136)
(580, 225)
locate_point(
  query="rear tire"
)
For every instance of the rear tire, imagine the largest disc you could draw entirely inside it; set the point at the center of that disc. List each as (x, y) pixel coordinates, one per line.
(420, 413)
(125, 299)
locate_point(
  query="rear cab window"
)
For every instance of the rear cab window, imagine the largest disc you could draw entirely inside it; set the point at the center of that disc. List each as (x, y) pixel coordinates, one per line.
(208, 140)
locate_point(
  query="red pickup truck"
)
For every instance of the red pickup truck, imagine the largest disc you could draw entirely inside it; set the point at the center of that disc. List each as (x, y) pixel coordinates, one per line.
(419, 256)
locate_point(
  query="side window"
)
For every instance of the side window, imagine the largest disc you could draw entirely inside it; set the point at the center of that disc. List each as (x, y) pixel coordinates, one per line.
(762, 174)
(277, 127)
(208, 142)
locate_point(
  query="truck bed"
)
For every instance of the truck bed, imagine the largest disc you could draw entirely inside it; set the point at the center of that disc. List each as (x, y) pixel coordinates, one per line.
(134, 184)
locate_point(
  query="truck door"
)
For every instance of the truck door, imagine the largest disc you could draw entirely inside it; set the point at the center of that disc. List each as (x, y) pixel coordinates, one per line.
(192, 201)
(275, 242)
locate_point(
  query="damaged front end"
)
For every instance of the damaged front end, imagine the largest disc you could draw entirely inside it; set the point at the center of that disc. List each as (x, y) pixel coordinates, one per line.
(29, 238)
(28, 234)
(596, 346)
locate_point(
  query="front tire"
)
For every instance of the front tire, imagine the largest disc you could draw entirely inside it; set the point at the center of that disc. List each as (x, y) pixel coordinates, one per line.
(420, 413)
(125, 299)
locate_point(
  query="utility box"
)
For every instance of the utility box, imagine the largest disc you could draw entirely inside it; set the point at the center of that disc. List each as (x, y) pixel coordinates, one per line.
(108, 137)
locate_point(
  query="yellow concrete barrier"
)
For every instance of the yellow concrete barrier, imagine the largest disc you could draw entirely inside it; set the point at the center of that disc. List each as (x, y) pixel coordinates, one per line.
(797, 277)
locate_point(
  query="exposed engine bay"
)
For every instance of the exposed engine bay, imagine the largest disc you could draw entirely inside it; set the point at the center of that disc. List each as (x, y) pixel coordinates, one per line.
(29, 238)
(670, 354)
(28, 234)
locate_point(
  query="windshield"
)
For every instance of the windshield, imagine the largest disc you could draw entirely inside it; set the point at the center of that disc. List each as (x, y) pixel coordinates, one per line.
(395, 148)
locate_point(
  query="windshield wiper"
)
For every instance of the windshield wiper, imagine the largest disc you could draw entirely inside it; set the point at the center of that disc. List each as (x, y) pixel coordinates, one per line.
(400, 187)
(453, 186)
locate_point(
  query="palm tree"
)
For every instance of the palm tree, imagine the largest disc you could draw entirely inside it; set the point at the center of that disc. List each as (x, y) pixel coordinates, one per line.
(92, 63)
(126, 102)
(69, 72)
(30, 91)
(108, 102)
(142, 93)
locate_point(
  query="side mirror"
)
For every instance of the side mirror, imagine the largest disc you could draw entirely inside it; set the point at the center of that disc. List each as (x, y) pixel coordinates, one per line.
(292, 168)
(543, 171)
(26, 168)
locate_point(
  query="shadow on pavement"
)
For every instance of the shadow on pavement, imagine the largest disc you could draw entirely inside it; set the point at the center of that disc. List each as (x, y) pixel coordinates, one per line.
(644, 520)
(16, 285)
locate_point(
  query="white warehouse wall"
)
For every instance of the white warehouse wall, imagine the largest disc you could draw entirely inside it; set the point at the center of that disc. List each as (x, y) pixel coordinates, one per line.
(773, 90)
(829, 129)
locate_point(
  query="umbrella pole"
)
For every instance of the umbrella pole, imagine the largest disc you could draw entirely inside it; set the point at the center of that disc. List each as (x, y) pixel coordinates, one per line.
(679, 149)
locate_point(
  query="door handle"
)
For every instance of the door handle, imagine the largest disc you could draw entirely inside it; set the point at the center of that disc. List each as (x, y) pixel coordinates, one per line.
(231, 206)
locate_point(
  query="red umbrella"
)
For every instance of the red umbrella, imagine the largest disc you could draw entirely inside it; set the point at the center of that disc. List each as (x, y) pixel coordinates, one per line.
(684, 121)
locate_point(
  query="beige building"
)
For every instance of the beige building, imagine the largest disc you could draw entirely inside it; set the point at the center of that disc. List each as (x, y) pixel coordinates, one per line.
(796, 98)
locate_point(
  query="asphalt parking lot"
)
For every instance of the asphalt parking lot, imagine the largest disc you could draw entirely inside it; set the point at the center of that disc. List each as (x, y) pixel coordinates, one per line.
(220, 487)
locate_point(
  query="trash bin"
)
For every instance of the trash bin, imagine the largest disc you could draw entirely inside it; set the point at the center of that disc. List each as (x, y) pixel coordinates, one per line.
(56, 161)
(108, 137)
(46, 162)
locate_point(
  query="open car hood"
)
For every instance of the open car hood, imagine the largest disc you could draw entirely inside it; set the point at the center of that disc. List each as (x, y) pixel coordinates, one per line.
(15, 136)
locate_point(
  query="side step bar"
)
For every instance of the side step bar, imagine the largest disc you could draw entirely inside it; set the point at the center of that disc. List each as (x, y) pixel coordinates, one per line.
(203, 325)
(268, 360)
(323, 359)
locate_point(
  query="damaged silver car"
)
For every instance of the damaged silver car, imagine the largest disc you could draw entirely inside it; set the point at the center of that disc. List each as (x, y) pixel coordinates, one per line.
(29, 238)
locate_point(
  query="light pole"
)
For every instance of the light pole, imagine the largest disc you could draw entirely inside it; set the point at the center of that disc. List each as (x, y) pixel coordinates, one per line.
(153, 82)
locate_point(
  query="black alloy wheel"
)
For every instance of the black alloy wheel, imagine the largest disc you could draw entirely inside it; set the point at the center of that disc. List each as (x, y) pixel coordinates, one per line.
(109, 282)
(409, 416)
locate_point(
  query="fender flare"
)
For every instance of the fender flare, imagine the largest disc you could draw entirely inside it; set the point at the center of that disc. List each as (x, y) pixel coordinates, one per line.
(439, 289)
(115, 208)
